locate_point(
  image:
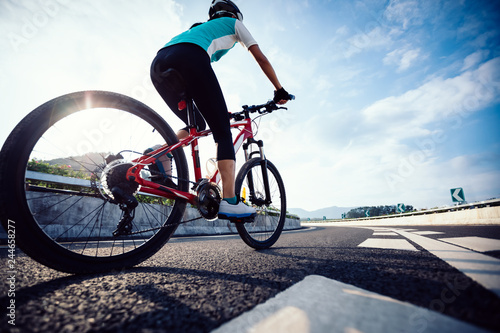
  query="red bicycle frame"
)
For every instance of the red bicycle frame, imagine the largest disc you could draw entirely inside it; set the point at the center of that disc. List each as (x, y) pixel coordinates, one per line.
(149, 187)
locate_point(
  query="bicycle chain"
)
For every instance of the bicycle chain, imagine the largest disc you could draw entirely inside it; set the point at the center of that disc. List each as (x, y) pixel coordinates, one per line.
(165, 226)
(154, 172)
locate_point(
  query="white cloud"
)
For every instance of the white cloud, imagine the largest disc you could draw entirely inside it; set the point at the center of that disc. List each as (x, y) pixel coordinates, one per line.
(438, 99)
(342, 31)
(473, 59)
(341, 137)
(403, 12)
(403, 58)
(383, 153)
(375, 38)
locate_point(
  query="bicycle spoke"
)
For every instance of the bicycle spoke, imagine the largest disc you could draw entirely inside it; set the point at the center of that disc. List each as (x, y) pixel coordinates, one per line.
(271, 211)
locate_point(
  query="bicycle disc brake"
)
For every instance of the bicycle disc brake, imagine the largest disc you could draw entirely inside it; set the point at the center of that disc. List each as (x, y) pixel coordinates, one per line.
(208, 200)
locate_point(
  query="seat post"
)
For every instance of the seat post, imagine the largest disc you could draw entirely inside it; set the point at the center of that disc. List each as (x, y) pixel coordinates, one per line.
(175, 82)
(190, 111)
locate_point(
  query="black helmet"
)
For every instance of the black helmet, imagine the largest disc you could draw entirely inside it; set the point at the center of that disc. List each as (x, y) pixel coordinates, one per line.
(221, 8)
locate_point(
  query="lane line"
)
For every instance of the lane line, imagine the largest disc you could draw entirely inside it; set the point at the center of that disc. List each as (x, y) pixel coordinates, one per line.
(479, 244)
(321, 305)
(384, 233)
(483, 269)
(390, 244)
(423, 233)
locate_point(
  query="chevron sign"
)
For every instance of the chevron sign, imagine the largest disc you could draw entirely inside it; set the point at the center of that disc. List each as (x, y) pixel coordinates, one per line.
(457, 194)
(400, 208)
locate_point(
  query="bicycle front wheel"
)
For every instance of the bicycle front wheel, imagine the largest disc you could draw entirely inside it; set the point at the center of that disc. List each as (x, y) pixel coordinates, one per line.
(51, 187)
(268, 199)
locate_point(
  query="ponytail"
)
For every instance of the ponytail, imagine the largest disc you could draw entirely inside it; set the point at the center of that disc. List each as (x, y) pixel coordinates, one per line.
(195, 25)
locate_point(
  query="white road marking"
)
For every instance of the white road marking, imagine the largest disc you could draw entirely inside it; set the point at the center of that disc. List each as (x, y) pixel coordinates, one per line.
(321, 305)
(384, 233)
(392, 244)
(484, 269)
(423, 233)
(479, 244)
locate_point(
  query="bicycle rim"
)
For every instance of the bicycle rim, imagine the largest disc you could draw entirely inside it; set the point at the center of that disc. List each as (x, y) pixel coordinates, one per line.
(270, 219)
(68, 220)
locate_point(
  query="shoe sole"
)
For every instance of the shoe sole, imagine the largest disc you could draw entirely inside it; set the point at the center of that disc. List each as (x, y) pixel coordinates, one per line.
(238, 219)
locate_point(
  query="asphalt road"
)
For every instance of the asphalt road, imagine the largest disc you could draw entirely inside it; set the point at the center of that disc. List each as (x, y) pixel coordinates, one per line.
(197, 284)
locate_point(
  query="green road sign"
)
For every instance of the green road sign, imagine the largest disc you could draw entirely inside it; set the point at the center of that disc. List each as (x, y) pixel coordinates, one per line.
(367, 213)
(457, 194)
(400, 208)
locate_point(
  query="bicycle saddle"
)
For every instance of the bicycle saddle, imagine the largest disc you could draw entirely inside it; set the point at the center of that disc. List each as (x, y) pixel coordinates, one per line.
(175, 81)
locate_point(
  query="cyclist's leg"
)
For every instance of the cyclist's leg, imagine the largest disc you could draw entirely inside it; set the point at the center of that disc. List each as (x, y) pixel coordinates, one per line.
(227, 169)
(182, 133)
(172, 57)
(164, 60)
(231, 207)
(194, 65)
(208, 96)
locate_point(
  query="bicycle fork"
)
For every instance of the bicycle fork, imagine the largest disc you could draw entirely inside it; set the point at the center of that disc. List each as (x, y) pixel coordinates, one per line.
(265, 178)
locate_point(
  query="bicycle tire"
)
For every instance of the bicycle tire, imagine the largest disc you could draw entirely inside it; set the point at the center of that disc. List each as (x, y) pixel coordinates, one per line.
(265, 230)
(66, 226)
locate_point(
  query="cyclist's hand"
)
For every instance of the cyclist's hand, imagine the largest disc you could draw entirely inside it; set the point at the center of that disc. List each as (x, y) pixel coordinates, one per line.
(281, 96)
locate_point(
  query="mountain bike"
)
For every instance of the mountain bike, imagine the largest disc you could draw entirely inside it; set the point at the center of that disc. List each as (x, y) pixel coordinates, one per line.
(85, 194)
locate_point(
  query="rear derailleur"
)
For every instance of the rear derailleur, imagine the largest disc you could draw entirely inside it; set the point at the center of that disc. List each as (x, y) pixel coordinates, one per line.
(118, 190)
(127, 203)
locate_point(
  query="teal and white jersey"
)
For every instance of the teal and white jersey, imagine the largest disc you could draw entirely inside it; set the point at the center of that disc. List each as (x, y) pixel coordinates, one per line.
(216, 37)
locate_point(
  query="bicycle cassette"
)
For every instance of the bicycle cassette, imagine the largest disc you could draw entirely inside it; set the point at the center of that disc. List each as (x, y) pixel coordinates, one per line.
(114, 176)
(208, 200)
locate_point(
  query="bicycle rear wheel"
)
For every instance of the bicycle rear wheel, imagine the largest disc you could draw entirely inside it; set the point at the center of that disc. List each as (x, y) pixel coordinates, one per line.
(271, 215)
(50, 184)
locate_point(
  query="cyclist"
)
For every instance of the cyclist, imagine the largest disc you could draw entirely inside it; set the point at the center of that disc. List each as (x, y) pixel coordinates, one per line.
(191, 54)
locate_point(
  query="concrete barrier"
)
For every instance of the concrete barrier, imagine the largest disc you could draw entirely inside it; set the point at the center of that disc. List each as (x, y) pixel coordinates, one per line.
(57, 216)
(478, 216)
(217, 227)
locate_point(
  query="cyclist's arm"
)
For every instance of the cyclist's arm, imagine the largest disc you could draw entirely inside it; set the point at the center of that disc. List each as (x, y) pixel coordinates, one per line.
(266, 66)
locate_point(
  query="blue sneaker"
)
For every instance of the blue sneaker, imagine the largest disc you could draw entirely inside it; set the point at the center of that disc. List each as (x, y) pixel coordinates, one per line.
(235, 212)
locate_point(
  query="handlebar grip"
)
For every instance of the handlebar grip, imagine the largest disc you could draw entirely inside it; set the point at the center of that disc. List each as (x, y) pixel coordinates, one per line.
(292, 97)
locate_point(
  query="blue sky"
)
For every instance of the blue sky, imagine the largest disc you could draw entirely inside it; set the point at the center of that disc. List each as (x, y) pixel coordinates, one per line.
(397, 101)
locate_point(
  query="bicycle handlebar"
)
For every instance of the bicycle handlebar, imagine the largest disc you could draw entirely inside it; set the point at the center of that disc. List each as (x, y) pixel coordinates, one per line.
(268, 107)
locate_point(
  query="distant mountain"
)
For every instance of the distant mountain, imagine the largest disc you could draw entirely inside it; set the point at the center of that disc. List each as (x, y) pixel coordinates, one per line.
(87, 162)
(333, 212)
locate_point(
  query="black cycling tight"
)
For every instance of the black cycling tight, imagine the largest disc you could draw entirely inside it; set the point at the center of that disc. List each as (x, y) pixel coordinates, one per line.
(193, 63)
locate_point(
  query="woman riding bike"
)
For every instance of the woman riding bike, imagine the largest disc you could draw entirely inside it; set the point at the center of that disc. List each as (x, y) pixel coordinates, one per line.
(191, 54)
